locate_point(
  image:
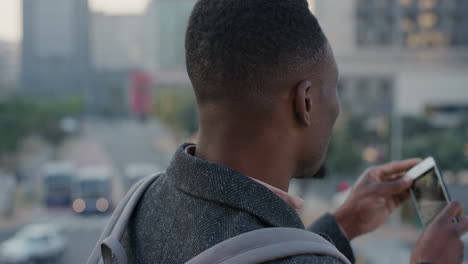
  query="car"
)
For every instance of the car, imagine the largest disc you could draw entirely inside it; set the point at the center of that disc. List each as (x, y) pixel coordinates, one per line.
(36, 243)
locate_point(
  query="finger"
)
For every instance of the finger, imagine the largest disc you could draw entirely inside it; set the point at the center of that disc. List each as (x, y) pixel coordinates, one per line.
(461, 213)
(393, 177)
(462, 226)
(452, 210)
(401, 198)
(394, 187)
(387, 170)
(460, 247)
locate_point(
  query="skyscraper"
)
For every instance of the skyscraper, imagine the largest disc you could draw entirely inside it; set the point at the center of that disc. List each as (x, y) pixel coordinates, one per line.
(119, 42)
(171, 20)
(9, 65)
(55, 49)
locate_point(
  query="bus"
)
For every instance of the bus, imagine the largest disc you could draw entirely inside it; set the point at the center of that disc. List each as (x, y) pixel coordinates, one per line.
(137, 171)
(56, 179)
(92, 190)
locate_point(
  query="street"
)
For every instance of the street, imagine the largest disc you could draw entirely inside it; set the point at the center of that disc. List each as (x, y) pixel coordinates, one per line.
(80, 232)
(132, 141)
(116, 143)
(123, 142)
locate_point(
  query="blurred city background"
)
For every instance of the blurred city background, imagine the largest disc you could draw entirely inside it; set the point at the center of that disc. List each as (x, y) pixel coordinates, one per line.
(94, 95)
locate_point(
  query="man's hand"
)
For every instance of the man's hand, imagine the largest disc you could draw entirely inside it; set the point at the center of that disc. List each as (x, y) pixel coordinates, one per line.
(376, 194)
(440, 243)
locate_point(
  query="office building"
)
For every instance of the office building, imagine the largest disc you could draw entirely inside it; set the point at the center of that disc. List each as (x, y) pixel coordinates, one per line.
(121, 42)
(120, 45)
(412, 23)
(171, 19)
(55, 49)
(9, 65)
(398, 56)
(167, 23)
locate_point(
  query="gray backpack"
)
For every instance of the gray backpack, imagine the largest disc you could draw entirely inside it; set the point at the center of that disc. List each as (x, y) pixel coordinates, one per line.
(258, 246)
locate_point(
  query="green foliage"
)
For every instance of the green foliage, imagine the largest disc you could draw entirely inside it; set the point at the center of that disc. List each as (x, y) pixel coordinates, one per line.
(421, 139)
(51, 113)
(20, 117)
(14, 123)
(176, 107)
(416, 126)
(344, 156)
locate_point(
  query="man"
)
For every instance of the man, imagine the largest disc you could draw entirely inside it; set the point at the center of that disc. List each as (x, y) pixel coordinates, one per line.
(265, 80)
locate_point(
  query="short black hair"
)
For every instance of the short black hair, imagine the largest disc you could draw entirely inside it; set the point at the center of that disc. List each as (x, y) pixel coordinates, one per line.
(234, 46)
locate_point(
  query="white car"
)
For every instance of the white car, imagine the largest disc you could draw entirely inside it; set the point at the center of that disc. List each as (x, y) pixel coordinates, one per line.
(37, 243)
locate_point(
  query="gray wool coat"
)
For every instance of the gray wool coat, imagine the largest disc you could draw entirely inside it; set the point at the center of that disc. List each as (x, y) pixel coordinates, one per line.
(196, 204)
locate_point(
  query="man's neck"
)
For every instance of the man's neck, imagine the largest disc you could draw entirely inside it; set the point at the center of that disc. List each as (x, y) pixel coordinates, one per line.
(263, 157)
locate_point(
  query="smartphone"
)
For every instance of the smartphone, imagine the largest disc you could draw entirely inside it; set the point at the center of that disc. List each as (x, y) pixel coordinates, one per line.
(428, 192)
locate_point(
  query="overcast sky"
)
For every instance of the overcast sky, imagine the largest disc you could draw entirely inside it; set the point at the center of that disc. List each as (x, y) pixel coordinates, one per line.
(10, 13)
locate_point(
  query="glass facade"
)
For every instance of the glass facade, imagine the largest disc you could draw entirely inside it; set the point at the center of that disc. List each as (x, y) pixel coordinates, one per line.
(412, 23)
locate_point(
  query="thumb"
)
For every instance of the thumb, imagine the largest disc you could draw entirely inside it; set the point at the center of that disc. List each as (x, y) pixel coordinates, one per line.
(394, 187)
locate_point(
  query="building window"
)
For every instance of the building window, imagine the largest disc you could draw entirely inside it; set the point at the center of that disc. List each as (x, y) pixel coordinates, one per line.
(427, 4)
(406, 3)
(412, 23)
(427, 20)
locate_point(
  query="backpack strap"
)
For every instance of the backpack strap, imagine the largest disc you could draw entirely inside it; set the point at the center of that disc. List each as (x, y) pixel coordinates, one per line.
(108, 246)
(268, 244)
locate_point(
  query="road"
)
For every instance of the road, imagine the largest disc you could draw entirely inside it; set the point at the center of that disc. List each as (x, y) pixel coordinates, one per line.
(122, 143)
(131, 141)
(80, 232)
(117, 143)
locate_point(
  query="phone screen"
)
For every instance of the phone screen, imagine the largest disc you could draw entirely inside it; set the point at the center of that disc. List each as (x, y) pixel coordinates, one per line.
(429, 195)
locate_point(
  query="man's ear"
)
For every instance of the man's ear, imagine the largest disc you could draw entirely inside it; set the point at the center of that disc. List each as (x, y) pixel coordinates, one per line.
(303, 102)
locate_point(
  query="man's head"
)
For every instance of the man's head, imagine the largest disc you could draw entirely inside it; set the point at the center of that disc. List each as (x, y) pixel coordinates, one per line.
(266, 62)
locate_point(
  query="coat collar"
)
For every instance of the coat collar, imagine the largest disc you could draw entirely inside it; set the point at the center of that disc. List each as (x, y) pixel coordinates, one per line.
(223, 185)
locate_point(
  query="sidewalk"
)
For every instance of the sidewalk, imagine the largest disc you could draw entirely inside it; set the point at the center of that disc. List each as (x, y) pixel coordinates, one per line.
(18, 218)
(23, 213)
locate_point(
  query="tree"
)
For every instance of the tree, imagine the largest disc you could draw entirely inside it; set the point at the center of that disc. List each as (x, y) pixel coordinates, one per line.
(343, 156)
(49, 114)
(176, 107)
(344, 152)
(15, 122)
(446, 147)
(422, 139)
(20, 117)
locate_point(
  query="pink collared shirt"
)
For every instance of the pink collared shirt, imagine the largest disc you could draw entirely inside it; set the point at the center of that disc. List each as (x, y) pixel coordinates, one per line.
(295, 202)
